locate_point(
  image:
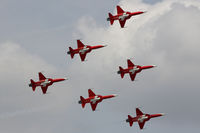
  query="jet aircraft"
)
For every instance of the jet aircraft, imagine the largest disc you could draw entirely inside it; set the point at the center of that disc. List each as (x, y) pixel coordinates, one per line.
(141, 118)
(44, 82)
(82, 49)
(132, 69)
(122, 16)
(93, 99)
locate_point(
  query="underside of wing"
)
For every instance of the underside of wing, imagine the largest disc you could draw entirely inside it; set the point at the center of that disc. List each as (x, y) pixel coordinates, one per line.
(130, 64)
(91, 93)
(138, 112)
(122, 23)
(44, 89)
(119, 10)
(82, 56)
(41, 76)
(93, 106)
(141, 124)
(80, 44)
(132, 76)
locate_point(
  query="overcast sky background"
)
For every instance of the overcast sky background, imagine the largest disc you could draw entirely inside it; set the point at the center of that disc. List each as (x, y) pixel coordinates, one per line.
(35, 36)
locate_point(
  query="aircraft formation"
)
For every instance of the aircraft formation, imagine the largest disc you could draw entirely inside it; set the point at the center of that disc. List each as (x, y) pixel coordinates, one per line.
(94, 99)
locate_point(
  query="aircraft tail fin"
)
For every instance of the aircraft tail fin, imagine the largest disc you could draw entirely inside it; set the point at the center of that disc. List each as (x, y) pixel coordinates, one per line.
(110, 18)
(71, 52)
(130, 120)
(32, 84)
(121, 71)
(82, 101)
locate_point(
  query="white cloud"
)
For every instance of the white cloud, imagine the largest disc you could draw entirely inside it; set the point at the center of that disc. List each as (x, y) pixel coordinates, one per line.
(167, 36)
(21, 108)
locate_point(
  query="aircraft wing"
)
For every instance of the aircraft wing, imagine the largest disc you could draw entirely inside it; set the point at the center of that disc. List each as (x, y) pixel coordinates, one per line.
(80, 44)
(82, 56)
(122, 23)
(41, 76)
(132, 76)
(119, 10)
(94, 106)
(130, 64)
(44, 89)
(141, 124)
(91, 93)
(138, 112)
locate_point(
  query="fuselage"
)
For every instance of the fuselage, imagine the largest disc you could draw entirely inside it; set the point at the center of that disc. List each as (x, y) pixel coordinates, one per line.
(46, 82)
(97, 99)
(135, 69)
(132, 70)
(85, 49)
(94, 99)
(125, 15)
(144, 117)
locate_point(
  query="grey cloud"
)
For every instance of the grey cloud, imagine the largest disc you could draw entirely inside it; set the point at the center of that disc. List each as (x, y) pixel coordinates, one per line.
(152, 1)
(169, 39)
(161, 37)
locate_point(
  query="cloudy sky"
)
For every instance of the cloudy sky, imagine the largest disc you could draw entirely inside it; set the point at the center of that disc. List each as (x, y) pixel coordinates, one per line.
(35, 36)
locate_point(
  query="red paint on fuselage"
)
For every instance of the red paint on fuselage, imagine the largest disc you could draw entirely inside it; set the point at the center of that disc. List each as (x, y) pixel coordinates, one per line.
(142, 118)
(130, 14)
(122, 16)
(44, 83)
(83, 49)
(94, 99)
(51, 81)
(132, 69)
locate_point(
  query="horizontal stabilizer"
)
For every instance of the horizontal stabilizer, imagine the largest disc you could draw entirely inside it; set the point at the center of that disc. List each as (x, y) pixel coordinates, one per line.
(82, 101)
(71, 52)
(32, 85)
(111, 18)
(121, 71)
(130, 120)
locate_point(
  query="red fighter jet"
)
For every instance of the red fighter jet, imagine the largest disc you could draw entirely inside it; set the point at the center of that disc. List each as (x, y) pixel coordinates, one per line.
(44, 82)
(122, 16)
(141, 118)
(82, 49)
(132, 69)
(94, 99)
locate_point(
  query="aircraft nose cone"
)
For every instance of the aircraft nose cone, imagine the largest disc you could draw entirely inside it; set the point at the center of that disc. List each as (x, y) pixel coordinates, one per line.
(163, 114)
(115, 95)
(154, 65)
(105, 45)
(65, 78)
